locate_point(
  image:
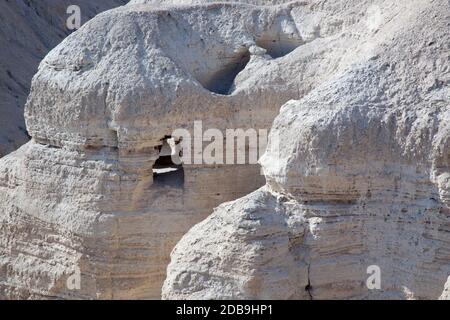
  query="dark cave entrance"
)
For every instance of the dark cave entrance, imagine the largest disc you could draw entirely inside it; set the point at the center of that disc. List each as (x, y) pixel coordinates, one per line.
(165, 171)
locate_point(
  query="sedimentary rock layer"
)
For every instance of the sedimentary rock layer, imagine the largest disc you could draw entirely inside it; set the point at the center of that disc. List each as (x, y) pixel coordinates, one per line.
(358, 179)
(359, 175)
(29, 30)
(83, 194)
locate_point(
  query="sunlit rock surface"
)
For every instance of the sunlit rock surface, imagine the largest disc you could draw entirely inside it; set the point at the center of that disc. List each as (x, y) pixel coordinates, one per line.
(28, 31)
(358, 175)
(89, 192)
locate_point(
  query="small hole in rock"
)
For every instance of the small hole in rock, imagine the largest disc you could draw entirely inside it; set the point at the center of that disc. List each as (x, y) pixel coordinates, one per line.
(165, 171)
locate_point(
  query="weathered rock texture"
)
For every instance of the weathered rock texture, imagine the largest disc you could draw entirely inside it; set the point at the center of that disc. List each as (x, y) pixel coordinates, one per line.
(361, 175)
(446, 293)
(357, 170)
(28, 30)
(82, 193)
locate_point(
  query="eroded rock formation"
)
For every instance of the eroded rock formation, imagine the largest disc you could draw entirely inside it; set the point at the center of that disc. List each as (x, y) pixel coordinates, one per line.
(358, 175)
(83, 194)
(28, 31)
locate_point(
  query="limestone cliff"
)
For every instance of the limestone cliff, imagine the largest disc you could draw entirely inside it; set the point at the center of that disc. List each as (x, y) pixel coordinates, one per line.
(85, 193)
(356, 171)
(358, 175)
(28, 31)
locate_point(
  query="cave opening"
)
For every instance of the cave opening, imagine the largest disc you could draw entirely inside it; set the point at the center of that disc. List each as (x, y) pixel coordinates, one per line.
(222, 81)
(165, 171)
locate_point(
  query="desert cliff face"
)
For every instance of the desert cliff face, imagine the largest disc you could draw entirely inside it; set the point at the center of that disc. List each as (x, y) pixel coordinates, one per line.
(356, 172)
(359, 178)
(28, 31)
(102, 104)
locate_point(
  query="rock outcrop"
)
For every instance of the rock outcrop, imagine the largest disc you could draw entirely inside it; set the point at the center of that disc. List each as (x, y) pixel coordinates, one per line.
(358, 180)
(29, 30)
(356, 168)
(88, 194)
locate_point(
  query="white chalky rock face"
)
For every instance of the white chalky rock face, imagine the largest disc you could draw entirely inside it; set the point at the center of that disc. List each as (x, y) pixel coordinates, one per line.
(358, 179)
(29, 30)
(81, 198)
